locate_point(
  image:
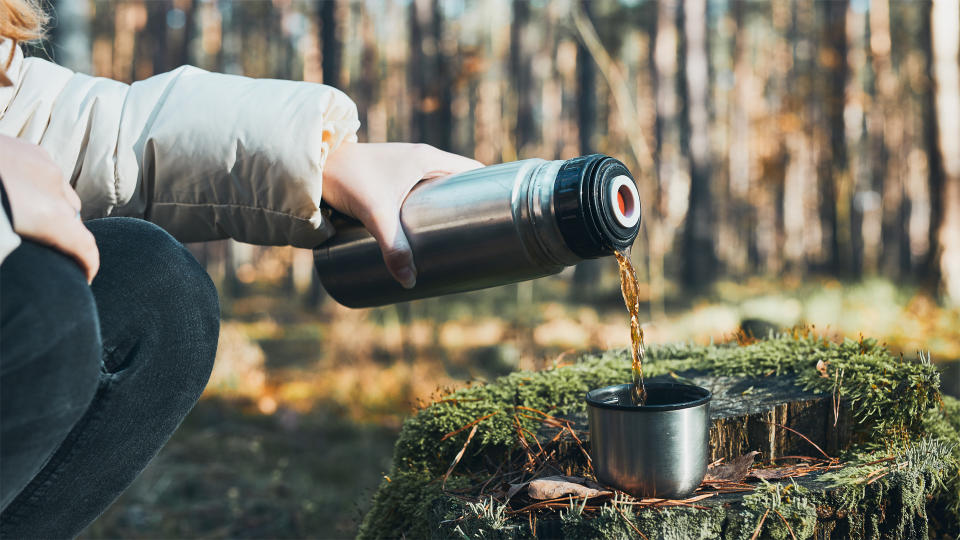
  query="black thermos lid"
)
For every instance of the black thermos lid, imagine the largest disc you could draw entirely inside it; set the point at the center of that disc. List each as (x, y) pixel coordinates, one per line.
(585, 205)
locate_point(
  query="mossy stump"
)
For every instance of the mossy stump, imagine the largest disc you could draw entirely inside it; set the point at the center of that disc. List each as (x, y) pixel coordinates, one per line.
(880, 414)
(751, 413)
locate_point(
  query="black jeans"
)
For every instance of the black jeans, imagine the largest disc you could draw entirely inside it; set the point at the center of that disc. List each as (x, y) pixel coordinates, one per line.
(95, 378)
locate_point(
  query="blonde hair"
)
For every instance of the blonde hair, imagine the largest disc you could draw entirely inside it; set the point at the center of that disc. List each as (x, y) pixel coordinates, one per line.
(20, 20)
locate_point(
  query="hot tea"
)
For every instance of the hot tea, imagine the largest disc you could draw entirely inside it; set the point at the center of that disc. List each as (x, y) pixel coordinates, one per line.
(631, 297)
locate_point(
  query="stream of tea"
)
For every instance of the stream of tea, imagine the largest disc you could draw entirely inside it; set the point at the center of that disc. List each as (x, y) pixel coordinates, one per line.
(631, 297)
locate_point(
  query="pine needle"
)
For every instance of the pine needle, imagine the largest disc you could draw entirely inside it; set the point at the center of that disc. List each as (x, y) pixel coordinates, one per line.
(459, 456)
(785, 522)
(756, 533)
(473, 423)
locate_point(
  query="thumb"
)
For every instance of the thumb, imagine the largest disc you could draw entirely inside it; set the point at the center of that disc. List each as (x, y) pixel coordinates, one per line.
(388, 231)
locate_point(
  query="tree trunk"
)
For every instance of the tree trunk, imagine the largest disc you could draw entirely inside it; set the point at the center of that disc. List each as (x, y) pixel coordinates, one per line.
(944, 18)
(330, 48)
(157, 30)
(885, 125)
(733, 214)
(522, 76)
(586, 90)
(432, 117)
(699, 260)
(833, 152)
(935, 173)
(665, 220)
(368, 91)
(183, 56)
(586, 275)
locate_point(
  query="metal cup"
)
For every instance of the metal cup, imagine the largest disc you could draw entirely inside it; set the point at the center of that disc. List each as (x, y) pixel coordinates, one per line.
(658, 450)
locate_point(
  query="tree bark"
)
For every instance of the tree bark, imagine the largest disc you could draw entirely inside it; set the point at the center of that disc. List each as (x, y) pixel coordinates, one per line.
(432, 117)
(586, 90)
(330, 48)
(666, 156)
(586, 274)
(699, 258)
(183, 56)
(522, 76)
(931, 266)
(157, 30)
(733, 215)
(944, 18)
(368, 92)
(885, 125)
(833, 152)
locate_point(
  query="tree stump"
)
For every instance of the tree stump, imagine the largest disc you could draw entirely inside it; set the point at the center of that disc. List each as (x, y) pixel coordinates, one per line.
(754, 413)
(458, 463)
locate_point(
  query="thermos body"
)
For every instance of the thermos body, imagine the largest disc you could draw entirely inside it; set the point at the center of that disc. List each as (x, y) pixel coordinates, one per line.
(490, 226)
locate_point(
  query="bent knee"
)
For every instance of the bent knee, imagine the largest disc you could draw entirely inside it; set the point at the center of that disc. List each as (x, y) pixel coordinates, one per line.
(167, 297)
(153, 265)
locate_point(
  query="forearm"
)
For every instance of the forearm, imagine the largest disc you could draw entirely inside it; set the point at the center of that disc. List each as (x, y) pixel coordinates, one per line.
(203, 155)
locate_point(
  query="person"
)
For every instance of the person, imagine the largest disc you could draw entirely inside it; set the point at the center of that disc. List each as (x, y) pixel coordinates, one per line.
(108, 326)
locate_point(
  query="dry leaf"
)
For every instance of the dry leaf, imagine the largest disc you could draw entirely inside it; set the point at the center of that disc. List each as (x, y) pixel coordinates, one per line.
(822, 368)
(779, 472)
(734, 471)
(553, 487)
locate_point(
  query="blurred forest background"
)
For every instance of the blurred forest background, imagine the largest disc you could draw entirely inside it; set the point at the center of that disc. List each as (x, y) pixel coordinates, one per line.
(798, 163)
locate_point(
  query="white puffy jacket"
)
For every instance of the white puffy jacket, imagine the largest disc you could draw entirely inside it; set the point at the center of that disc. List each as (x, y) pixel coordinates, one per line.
(203, 155)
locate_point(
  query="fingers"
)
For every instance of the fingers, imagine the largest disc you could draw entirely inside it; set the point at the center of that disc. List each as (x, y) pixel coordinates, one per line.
(370, 181)
(73, 238)
(386, 228)
(72, 198)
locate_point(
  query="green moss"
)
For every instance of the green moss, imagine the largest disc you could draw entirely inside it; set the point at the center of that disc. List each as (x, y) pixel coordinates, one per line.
(943, 423)
(896, 506)
(888, 395)
(892, 399)
(782, 504)
(682, 523)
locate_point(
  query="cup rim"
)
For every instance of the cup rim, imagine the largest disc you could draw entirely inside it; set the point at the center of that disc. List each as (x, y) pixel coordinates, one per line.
(594, 398)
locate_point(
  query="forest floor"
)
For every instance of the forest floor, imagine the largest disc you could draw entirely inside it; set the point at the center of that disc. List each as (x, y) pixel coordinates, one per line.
(297, 426)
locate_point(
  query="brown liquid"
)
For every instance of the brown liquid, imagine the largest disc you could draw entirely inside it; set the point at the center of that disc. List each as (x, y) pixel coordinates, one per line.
(631, 297)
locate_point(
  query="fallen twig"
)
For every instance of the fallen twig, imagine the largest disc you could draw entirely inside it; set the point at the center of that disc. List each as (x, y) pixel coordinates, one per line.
(878, 477)
(756, 532)
(582, 449)
(523, 442)
(473, 423)
(785, 522)
(459, 456)
(801, 435)
(628, 522)
(495, 473)
(836, 398)
(881, 460)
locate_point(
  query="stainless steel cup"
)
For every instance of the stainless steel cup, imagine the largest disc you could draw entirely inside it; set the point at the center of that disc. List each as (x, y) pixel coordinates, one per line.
(658, 450)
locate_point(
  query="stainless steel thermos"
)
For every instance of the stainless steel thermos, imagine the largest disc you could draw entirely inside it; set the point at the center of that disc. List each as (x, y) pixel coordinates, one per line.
(491, 226)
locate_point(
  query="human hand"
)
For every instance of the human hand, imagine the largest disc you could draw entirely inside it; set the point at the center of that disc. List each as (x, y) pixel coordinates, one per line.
(45, 208)
(369, 181)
